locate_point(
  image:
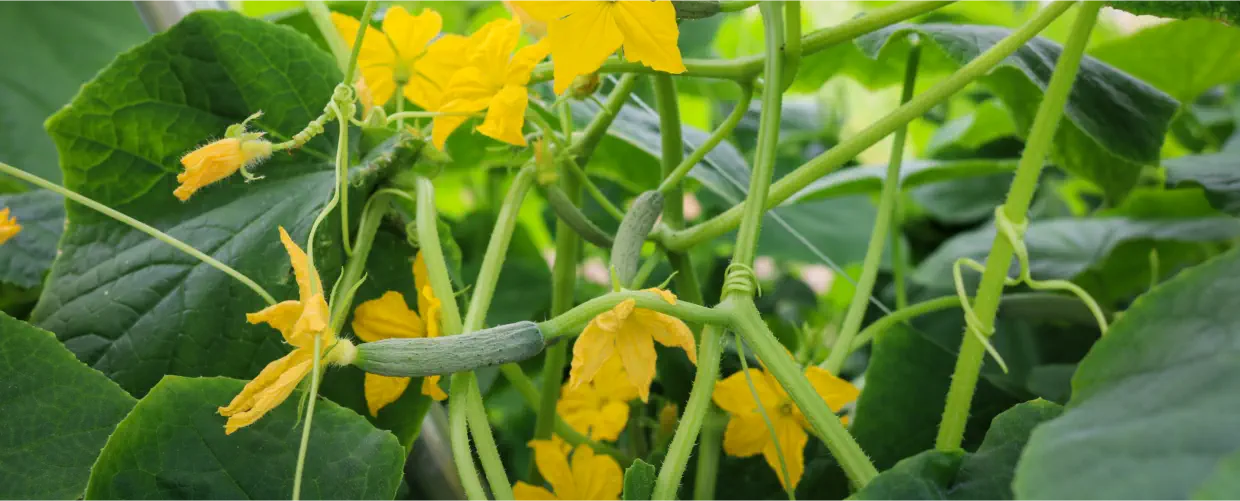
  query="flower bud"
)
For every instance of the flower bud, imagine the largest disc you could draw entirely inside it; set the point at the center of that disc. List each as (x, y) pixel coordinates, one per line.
(219, 160)
(8, 226)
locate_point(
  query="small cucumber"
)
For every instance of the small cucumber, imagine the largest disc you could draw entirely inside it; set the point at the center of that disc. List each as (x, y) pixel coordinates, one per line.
(626, 253)
(419, 357)
(695, 9)
(572, 216)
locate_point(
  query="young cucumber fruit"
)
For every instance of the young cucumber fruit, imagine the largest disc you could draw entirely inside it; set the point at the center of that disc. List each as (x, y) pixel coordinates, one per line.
(418, 357)
(626, 253)
(572, 216)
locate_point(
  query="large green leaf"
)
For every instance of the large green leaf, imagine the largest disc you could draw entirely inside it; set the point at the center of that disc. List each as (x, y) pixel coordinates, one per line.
(1211, 9)
(25, 258)
(1183, 58)
(135, 308)
(1218, 174)
(1153, 405)
(1065, 248)
(51, 49)
(984, 474)
(173, 446)
(55, 415)
(1116, 123)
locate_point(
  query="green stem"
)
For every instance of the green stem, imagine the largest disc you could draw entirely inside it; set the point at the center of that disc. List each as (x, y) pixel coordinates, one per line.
(780, 364)
(900, 316)
(322, 18)
(593, 190)
(673, 159)
(597, 127)
(138, 225)
(710, 352)
(367, 13)
(792, 42)
(497, 249)
(672, 180)
(707, 475)
(372, 215)
(458, 436)
(851, 147)
(1037, 146)
(878, 234)
(898, 265)
(768, 137)
(488, 452)
(299, 470)
(570, 322)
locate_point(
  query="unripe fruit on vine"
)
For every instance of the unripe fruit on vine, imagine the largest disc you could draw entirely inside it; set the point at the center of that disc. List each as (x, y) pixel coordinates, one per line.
(626, 252)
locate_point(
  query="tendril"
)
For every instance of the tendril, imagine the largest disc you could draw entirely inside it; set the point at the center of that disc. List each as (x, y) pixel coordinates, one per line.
(740, 277)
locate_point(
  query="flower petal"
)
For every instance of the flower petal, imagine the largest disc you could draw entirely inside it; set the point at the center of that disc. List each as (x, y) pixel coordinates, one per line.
(312, 322)
(792, 439)
(746, 435)
(409, 33)
(671, 332)
(376, 59)
(734, 396)
(523, 62)
(383, 390)
(433, 72)
(547, 11)
(552, 464)
(307, 278)
(592, 348)
(506, 116)
(581, 41)
(650, 34)
(430, 388)
(429, 306)
(597, 476)
(267, 390)
(636, 350)
(8, 225)
(495, 42)
(385, 318)
(835, 391)
(282, 316)
(523, 490)
(610, 421)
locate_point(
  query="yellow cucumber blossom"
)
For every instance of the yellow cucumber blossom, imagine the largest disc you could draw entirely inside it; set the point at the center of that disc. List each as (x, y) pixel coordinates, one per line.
(588, 476)
(390, 317)
(238, 151)
(8, 226)
(584, 33)
(403, 55)
(599, 408)
(299, 321)
(495, 80)
(747, 433)
(629, 332)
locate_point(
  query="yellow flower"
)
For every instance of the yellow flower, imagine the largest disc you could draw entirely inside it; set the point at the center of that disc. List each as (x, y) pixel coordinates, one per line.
(219, 160)
(8, 226)
(747, 433)
(390, 317)
(599, 408)
(584, 33)
(631, 332)
(495, 80)
(589, 476)
(403, 55)
(299, 322)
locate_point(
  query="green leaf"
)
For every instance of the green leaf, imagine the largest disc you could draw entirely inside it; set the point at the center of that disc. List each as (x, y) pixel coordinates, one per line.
(1224, 483)
(173, 446)
(1225, 11)
(1065, 248)
(1116, 123)
(1153, 404)
(135, 308)
(50, 50)
(1183, 58)
(1218, 174)
(25, 258)
(984, 474)
(638, 481)
(55, 414)
(988, 122)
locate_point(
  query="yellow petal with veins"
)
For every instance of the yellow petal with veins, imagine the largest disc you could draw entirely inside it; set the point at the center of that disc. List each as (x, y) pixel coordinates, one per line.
(650, 34)
(409, 33)
(835, 391)
(746, 435)
(266, 391)
(525, 491)
(376, 59)
(8, 225)
(383, 390)
(734, 396)
(597, 476)
(430, 388)
(636, 350)
(506, 116)
(792, 439)
(552, 463)
(581, 41)
(386, 318)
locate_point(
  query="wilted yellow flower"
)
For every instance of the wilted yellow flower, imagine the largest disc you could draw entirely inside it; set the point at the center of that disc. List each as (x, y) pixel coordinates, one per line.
(747, 433)
(599, 408)
(299, 322)
(8, 226)
(390, 317)
(219, 160)
(495, 80)
(584, 33)
(630, 332)
(403, 55)
(589, 476)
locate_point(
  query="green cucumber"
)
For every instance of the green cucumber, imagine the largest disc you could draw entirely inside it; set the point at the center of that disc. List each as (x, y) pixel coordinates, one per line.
(572, 216)
(420, 357)
(626, 252)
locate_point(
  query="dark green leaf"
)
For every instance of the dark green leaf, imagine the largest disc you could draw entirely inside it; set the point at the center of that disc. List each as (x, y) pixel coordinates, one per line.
(984, 474)
(173, 446)
(51, 50)
(1218, 174)
(1153, 403)
(135, 308)
(1158, 55)
(638, 481)
(55, 415)
(25, 258)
